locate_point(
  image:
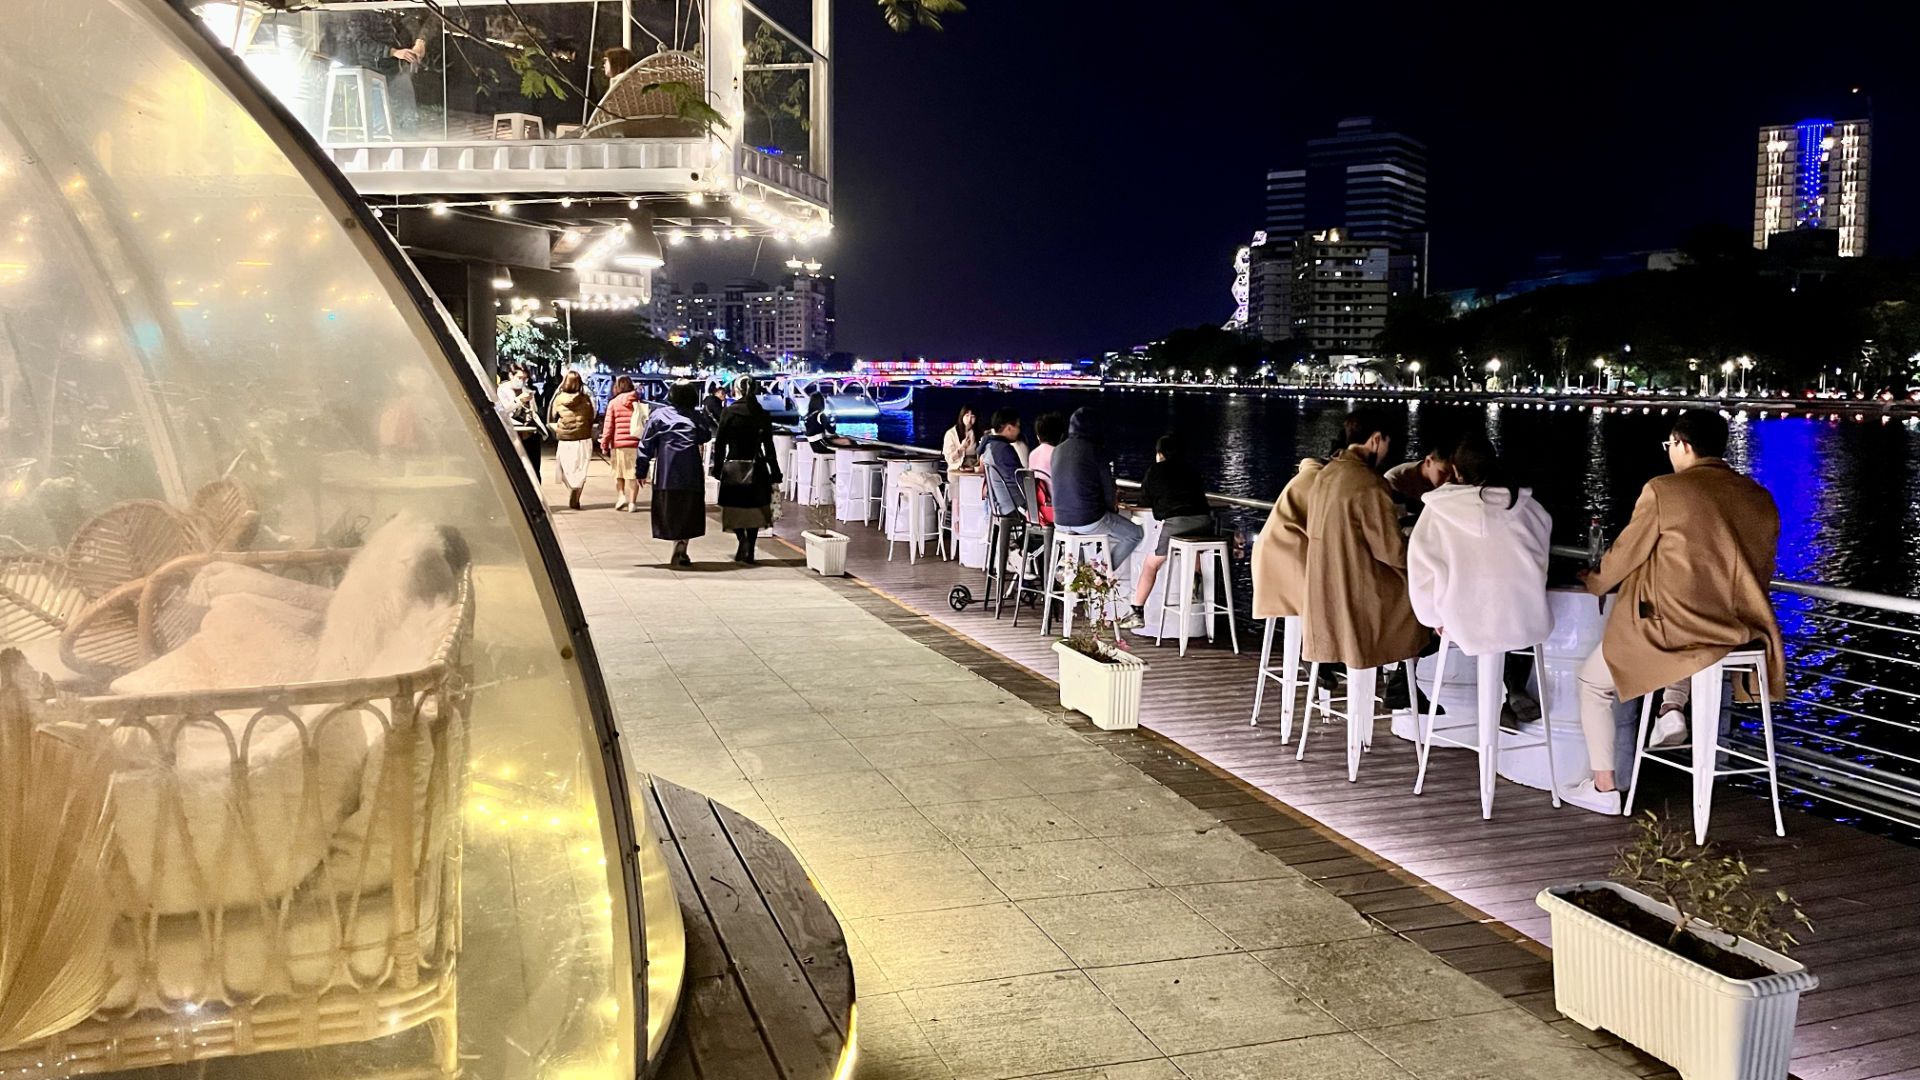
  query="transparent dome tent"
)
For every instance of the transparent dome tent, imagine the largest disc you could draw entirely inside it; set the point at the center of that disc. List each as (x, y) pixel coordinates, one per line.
(310, 771)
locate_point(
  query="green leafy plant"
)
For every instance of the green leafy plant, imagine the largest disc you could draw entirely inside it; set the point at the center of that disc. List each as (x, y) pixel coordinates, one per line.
(904, 15)
(1699, 882)
(538, 74)
(1098, 636)
(689, 104)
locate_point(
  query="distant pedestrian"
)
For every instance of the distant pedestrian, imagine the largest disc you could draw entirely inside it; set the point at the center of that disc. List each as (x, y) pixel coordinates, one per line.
(670, 447)
(1084, 499)
(1176, 494)
(747, 467)
(961, 446)
(516, 397)
(1693, 567)
(571, 415)
(620, 438)
(714, 404)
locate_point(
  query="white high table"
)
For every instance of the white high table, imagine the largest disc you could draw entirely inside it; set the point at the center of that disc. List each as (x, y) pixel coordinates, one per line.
(1578, 622)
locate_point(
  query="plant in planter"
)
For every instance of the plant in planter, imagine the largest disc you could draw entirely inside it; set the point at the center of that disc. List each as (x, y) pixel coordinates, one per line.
(1682, 955)
(826, 548)
(1098, 675)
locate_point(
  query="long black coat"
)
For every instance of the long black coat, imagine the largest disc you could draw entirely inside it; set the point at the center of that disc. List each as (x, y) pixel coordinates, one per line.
(746, 434)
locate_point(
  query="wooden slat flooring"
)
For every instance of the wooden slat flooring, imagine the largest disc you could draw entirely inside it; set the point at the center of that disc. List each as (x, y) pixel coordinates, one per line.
(768, 991)
(1428, 866)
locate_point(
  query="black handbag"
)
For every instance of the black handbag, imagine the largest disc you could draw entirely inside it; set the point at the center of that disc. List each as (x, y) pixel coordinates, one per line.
(739, 473)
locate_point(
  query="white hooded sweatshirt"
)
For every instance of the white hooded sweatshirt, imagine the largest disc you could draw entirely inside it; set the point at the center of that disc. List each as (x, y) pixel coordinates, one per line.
(1478, 568)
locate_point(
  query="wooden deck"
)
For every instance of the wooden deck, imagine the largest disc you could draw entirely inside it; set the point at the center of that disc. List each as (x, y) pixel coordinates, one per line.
(1429, 868)
(769, 986)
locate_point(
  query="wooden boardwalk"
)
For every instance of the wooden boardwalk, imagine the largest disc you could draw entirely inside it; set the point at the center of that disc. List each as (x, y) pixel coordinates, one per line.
(1396, 856)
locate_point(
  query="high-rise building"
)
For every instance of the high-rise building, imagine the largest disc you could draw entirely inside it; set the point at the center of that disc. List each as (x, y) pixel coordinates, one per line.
(1813, 176)
(678, 316)
(791, 319)
(1366, 182)
(1270, 289)
(1340, 293)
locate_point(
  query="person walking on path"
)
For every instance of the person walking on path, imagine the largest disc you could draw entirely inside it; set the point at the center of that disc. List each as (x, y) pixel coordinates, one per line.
(1084, 499)
(516, 397)
(1693, 567)
(1173, 490)
(571, 416)
(670, 446)
(620, 440)
(747, 466)
(1357, 612)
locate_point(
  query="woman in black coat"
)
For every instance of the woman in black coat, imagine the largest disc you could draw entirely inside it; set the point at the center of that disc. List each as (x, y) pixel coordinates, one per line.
(747, 467)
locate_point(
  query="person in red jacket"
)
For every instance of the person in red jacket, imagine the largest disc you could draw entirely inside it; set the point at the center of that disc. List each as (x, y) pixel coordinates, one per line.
(620, 440)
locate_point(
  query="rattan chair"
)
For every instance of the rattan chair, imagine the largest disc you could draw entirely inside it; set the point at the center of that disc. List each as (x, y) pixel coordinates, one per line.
(630, 110)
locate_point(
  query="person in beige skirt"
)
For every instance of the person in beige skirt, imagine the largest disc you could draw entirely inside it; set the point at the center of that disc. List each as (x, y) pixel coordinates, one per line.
(571, 417)
(620, 441)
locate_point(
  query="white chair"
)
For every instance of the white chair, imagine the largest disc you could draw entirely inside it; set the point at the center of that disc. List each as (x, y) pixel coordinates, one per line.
(800, 476)
(1197, 562)
(1490, 683)
(1068, 549)
(869, 490)
(912, 528)
(518, 126)
(356, 110)
(1703, 757)
(1288, 675)
(1361, 683)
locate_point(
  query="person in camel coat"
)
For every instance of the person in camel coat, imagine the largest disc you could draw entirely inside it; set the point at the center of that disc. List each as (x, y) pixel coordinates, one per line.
(1280, 552)
(1692, 567)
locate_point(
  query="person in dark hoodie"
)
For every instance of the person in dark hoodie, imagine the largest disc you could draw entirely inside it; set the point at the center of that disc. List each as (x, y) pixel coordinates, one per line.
(1083, 493)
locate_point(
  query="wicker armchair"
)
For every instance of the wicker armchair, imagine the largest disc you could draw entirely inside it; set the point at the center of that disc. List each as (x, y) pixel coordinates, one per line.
(631, 111)
(263, 954)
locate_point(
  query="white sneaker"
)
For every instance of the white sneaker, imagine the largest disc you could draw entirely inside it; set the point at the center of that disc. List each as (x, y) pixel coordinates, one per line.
(1669, 730)
(1588, 797)
(620, 504)
(1130, 621)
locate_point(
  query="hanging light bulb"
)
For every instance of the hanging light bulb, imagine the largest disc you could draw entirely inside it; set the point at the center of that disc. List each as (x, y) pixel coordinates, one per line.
(739, 234)
(438, 207)
(502, 279)
(706, 234)
(633, 204)
(676, 236)
(566, 201)
(503, 207)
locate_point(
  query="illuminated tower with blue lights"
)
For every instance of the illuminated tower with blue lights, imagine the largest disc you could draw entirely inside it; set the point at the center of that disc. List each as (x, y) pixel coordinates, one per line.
(1813, 176)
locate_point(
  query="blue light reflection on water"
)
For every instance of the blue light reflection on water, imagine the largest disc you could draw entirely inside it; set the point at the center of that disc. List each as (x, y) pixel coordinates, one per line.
(1847, 494)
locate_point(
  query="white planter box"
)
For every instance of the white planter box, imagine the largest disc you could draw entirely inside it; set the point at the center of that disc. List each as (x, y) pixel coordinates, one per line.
(1704, 1024)
(826, 552)
(1109, 693)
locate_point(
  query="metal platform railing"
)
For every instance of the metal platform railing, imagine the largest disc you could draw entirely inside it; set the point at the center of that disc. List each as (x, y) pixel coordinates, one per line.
(1848, 731)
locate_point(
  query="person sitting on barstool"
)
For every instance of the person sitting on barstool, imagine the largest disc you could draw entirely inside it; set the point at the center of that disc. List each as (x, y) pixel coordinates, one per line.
(1477, 559)
(1357, 612)
(1174, 492)
(1693, 567)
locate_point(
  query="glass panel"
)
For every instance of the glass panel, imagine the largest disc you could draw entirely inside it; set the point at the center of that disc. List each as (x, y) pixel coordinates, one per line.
(356, 820)
(458, 72)
(778, 88)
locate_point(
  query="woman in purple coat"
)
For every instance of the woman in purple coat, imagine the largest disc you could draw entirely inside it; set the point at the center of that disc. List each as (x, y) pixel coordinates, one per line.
(670, 445)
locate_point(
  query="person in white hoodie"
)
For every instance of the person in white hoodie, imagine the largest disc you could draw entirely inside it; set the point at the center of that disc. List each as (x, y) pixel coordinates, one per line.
(1477, 563)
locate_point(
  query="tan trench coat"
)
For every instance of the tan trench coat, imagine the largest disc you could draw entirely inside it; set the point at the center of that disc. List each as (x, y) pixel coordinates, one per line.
(1280, 553)
(1357, 608)
(1692, 566)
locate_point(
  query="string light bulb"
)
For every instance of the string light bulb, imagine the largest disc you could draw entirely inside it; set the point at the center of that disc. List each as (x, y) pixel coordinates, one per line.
(439, 208)
(695, 198)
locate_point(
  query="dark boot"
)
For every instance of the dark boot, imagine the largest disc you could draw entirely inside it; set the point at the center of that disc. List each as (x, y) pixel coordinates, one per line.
(739, 545)
(752, 538)
(573, 500)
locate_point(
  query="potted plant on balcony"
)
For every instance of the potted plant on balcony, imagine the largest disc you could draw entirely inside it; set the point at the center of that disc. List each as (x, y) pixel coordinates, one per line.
(1098, 676)
(826, 548)
(1682, 955)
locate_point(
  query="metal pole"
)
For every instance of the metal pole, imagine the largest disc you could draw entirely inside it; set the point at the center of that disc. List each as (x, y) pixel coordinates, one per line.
(820, 162)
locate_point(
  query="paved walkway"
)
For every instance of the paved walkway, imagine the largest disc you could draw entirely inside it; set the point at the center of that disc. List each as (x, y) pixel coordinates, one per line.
(1018, 900)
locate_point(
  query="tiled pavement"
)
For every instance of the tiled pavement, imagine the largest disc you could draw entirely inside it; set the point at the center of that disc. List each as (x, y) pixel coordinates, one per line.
(1019, 898)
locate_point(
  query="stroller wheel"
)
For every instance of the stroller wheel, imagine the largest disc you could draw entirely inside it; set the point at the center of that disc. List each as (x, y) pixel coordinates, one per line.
(959, 598)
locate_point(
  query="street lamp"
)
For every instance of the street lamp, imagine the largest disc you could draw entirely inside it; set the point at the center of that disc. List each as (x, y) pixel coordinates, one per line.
(1413, 368)
(1746, 364)
(1726, 369)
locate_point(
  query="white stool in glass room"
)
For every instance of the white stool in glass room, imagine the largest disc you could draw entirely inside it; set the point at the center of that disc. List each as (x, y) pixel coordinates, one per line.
(1197, 562)
(518, 126)
(1362, 684)
(356, 110)
(1287, 674)
(1702, 752)
(1068, 549)
(914, 509)
(1490, 735)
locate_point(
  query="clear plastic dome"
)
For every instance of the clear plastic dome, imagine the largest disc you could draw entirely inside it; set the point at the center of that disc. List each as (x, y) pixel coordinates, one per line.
(305, 769)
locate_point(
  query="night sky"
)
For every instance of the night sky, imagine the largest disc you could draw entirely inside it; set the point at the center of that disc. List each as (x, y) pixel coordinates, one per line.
(1052, 178)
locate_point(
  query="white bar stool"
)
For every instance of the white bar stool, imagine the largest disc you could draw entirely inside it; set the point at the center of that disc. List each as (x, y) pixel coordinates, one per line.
(1065, 550)
(1703, 761)
(1287, 675)
(1490, 682)
(912, 529)
(800, 477)
(869, 490)
(1203, 558)
(1361, 683)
